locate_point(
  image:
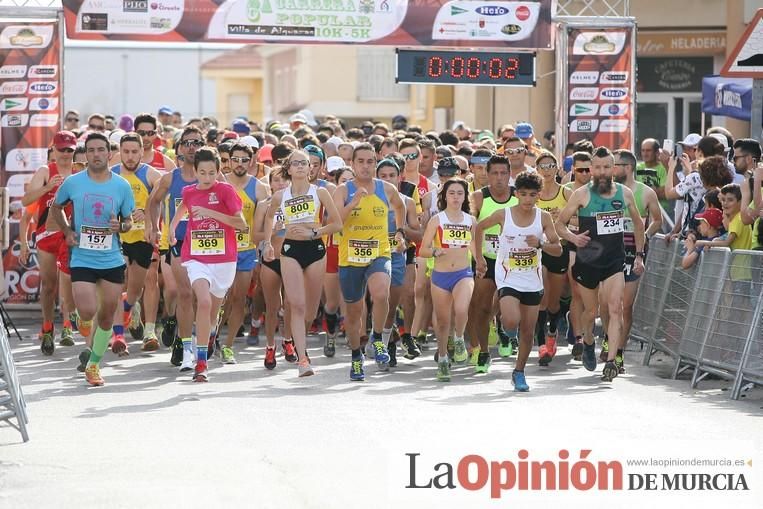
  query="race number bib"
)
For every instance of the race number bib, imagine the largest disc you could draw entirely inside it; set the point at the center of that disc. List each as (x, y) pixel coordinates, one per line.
(393, 241)
(490, 246)
(521, 260)
(207, 242)
(278, 220)
(243, 238)
(362, 251)
(95, 238)
(608, 223)
(298, 208)
(456, 235)
(138, 225)
(178, 203)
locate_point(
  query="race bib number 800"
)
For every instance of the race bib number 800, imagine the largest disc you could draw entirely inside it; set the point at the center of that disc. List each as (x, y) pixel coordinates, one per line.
(298, 208)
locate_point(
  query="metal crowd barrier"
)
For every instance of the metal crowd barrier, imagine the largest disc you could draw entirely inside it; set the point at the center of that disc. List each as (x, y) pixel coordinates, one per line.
(12, 403)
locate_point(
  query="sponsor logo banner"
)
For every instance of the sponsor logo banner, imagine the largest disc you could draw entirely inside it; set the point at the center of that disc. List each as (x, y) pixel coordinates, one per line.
(43, 71)
(13, 87)
(25, 159)
(43, 87)
(613, 110)
(44, 120)
(43, 103)
(12, 72)
(584, 126)
(613, 94)
(614, 77)
(13, 104)
(14, 120)
(584, 78)
(584, 93)
(584, 109)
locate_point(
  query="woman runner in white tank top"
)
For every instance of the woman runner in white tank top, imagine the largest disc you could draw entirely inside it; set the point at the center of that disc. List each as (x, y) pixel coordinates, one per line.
(518, 272)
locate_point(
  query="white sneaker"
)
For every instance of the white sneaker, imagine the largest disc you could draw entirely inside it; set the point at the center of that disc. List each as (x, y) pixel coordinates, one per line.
(188, 361)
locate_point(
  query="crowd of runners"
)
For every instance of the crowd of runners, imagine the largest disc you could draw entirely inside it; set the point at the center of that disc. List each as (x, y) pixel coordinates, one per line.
(373, 234)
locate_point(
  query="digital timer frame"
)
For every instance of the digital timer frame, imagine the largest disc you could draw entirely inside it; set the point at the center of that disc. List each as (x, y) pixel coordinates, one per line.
(481, 68)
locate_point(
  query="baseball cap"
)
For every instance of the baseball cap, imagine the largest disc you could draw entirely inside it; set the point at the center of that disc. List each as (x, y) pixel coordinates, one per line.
(230, 135)
(333, 163)
(165, 110)
(485, 135)
(315, 151)
(524, 130)
(298, 117)
(116, 136)
(721, 138)
(336, 141)
(241, 127)
(265, 153)
(714, 217)
(447, 167)
(691, 140)
(64, 139)
(251, 141)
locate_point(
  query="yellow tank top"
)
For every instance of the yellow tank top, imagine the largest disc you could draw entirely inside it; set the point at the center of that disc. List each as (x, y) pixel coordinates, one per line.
(140, 190)
(248, 196)
(558, 202)
(364, 234)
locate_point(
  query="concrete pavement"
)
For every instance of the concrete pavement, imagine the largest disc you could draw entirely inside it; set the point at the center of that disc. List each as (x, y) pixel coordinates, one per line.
(254, 438)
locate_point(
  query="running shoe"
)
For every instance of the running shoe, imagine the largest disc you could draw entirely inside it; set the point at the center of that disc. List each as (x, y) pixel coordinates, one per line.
(422, 341)
(270, 357)
(547, 351)
(443, 370)
(381, 355)
(135, 324)
(74, 319)
(577, 350)
(589, 356)
(187, 364)
(304, 368)
(200, 373)
(504, 346)
(620, 362)
(150, 343)
(118, 345)
(483, 363)
(227, 355)
(519, 382)
(47, 344)
(289, 352)
(392, 351)
(253, 339)
(67, 337)
(84, 358)
(514, 345)
(93, 376)
(368, 349)
(609, 372)
(451, 347)
(604, 350)
(329, 347)
(85, 328)
(177, 352)
(356, 370)
(474, 356)
(460, 355)
(168, 332)
(410, 348)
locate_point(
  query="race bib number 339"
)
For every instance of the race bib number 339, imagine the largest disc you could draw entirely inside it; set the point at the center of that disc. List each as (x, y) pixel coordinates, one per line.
(207, 242)
(522, 260)
(95, 238)
(608, 223)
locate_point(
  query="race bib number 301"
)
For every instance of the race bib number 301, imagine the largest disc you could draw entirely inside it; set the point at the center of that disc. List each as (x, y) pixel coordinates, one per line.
(362, 251)
(456, 235)
(298, 208)
(207, 242)
(522, 260)
(608, 223)
(95, 238)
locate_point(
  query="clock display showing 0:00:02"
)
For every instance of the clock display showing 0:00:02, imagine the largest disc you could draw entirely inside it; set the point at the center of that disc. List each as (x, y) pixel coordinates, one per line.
(473, 67)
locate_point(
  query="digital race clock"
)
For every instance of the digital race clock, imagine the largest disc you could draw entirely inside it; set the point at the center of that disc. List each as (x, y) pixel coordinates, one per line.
(437, 67)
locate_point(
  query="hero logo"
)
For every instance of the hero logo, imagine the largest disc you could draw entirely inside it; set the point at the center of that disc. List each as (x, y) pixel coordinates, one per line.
(584, 93)
(614, 125)
(613, 94)
(12, 71)
(613, 110)
(491, 10)
(584, 77)
(614, 77)
(43, 87)
(13, 88)
(43, 71)
(583, 126)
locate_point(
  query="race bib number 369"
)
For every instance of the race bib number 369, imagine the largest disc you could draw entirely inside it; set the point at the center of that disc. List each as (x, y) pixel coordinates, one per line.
(95, 238)
(608, 223)
(207, 242)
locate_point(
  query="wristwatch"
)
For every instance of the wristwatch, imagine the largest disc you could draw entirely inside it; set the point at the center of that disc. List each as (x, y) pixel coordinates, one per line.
(315, 233)
(641, 254)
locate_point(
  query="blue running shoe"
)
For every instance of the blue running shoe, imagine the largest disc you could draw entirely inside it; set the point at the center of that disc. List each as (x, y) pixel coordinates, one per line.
(519, 382)
(356, 370)
(589, 356)
(381, 354)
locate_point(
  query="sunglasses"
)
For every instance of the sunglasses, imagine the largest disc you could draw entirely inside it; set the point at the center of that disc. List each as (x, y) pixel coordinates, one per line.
(511, 151)
(582, 170)
(141, 132)
(96, 127)
(547, 166)
(412, 156)
(72, 119)
(192, 143)
(240, 159)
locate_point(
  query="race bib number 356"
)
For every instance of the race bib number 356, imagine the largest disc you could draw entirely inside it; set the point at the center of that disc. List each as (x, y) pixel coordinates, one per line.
(608, 223)
(95, 238)
(362, 251)
(207, 242)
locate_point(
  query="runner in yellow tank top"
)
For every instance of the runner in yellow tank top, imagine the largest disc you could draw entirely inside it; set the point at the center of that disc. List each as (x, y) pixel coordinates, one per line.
(139, 254)
(364, 252)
